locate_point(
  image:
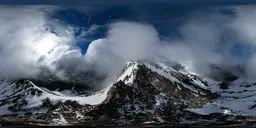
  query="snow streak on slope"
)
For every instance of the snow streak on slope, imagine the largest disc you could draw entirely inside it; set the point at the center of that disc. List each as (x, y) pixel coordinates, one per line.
(127, 76)
(238, 99)
(129, 72)
(32, 96)
(178, 76)
(24, 97)
(92, 100)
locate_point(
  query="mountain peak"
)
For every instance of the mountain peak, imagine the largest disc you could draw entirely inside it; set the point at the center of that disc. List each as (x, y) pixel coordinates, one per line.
(145, 91)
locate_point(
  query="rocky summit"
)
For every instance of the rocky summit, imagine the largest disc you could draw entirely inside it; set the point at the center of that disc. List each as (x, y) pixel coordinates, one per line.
(145, 93)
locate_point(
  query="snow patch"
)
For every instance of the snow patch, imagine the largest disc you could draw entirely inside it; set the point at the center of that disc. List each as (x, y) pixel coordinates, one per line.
(207, 109)
(129, 73)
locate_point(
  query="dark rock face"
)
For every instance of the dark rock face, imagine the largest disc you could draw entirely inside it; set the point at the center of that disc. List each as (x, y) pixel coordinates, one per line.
(224, 85)
(68, 110)
(151, 97)
(226, 74)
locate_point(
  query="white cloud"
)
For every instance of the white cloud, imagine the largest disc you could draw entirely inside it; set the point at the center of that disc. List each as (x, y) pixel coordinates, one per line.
(206, 38)
(25, 40)
(27, 46)
(132, 40)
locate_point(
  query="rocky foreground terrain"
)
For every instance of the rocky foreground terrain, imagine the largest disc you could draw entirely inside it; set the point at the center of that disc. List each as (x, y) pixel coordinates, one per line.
(145, 93)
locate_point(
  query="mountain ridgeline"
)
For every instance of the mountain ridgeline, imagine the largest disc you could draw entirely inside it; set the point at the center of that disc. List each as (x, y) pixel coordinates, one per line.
(144, 93)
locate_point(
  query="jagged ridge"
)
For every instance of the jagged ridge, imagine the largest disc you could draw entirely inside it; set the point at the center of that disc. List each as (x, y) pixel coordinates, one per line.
(144, 92)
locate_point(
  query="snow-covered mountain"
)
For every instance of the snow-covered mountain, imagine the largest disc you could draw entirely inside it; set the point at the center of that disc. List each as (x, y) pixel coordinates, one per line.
(144, 92)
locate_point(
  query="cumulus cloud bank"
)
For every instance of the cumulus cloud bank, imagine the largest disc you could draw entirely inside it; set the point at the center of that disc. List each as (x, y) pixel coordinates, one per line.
(32, 44)
(207, 38)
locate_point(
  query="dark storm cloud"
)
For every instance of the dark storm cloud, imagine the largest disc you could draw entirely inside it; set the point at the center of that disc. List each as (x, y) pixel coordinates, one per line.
(124, 2)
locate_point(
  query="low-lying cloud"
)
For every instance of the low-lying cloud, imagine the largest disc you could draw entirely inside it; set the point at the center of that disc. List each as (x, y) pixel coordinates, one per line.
(32, 44)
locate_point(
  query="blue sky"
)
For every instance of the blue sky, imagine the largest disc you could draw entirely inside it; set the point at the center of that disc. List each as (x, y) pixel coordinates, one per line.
(165, 16)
